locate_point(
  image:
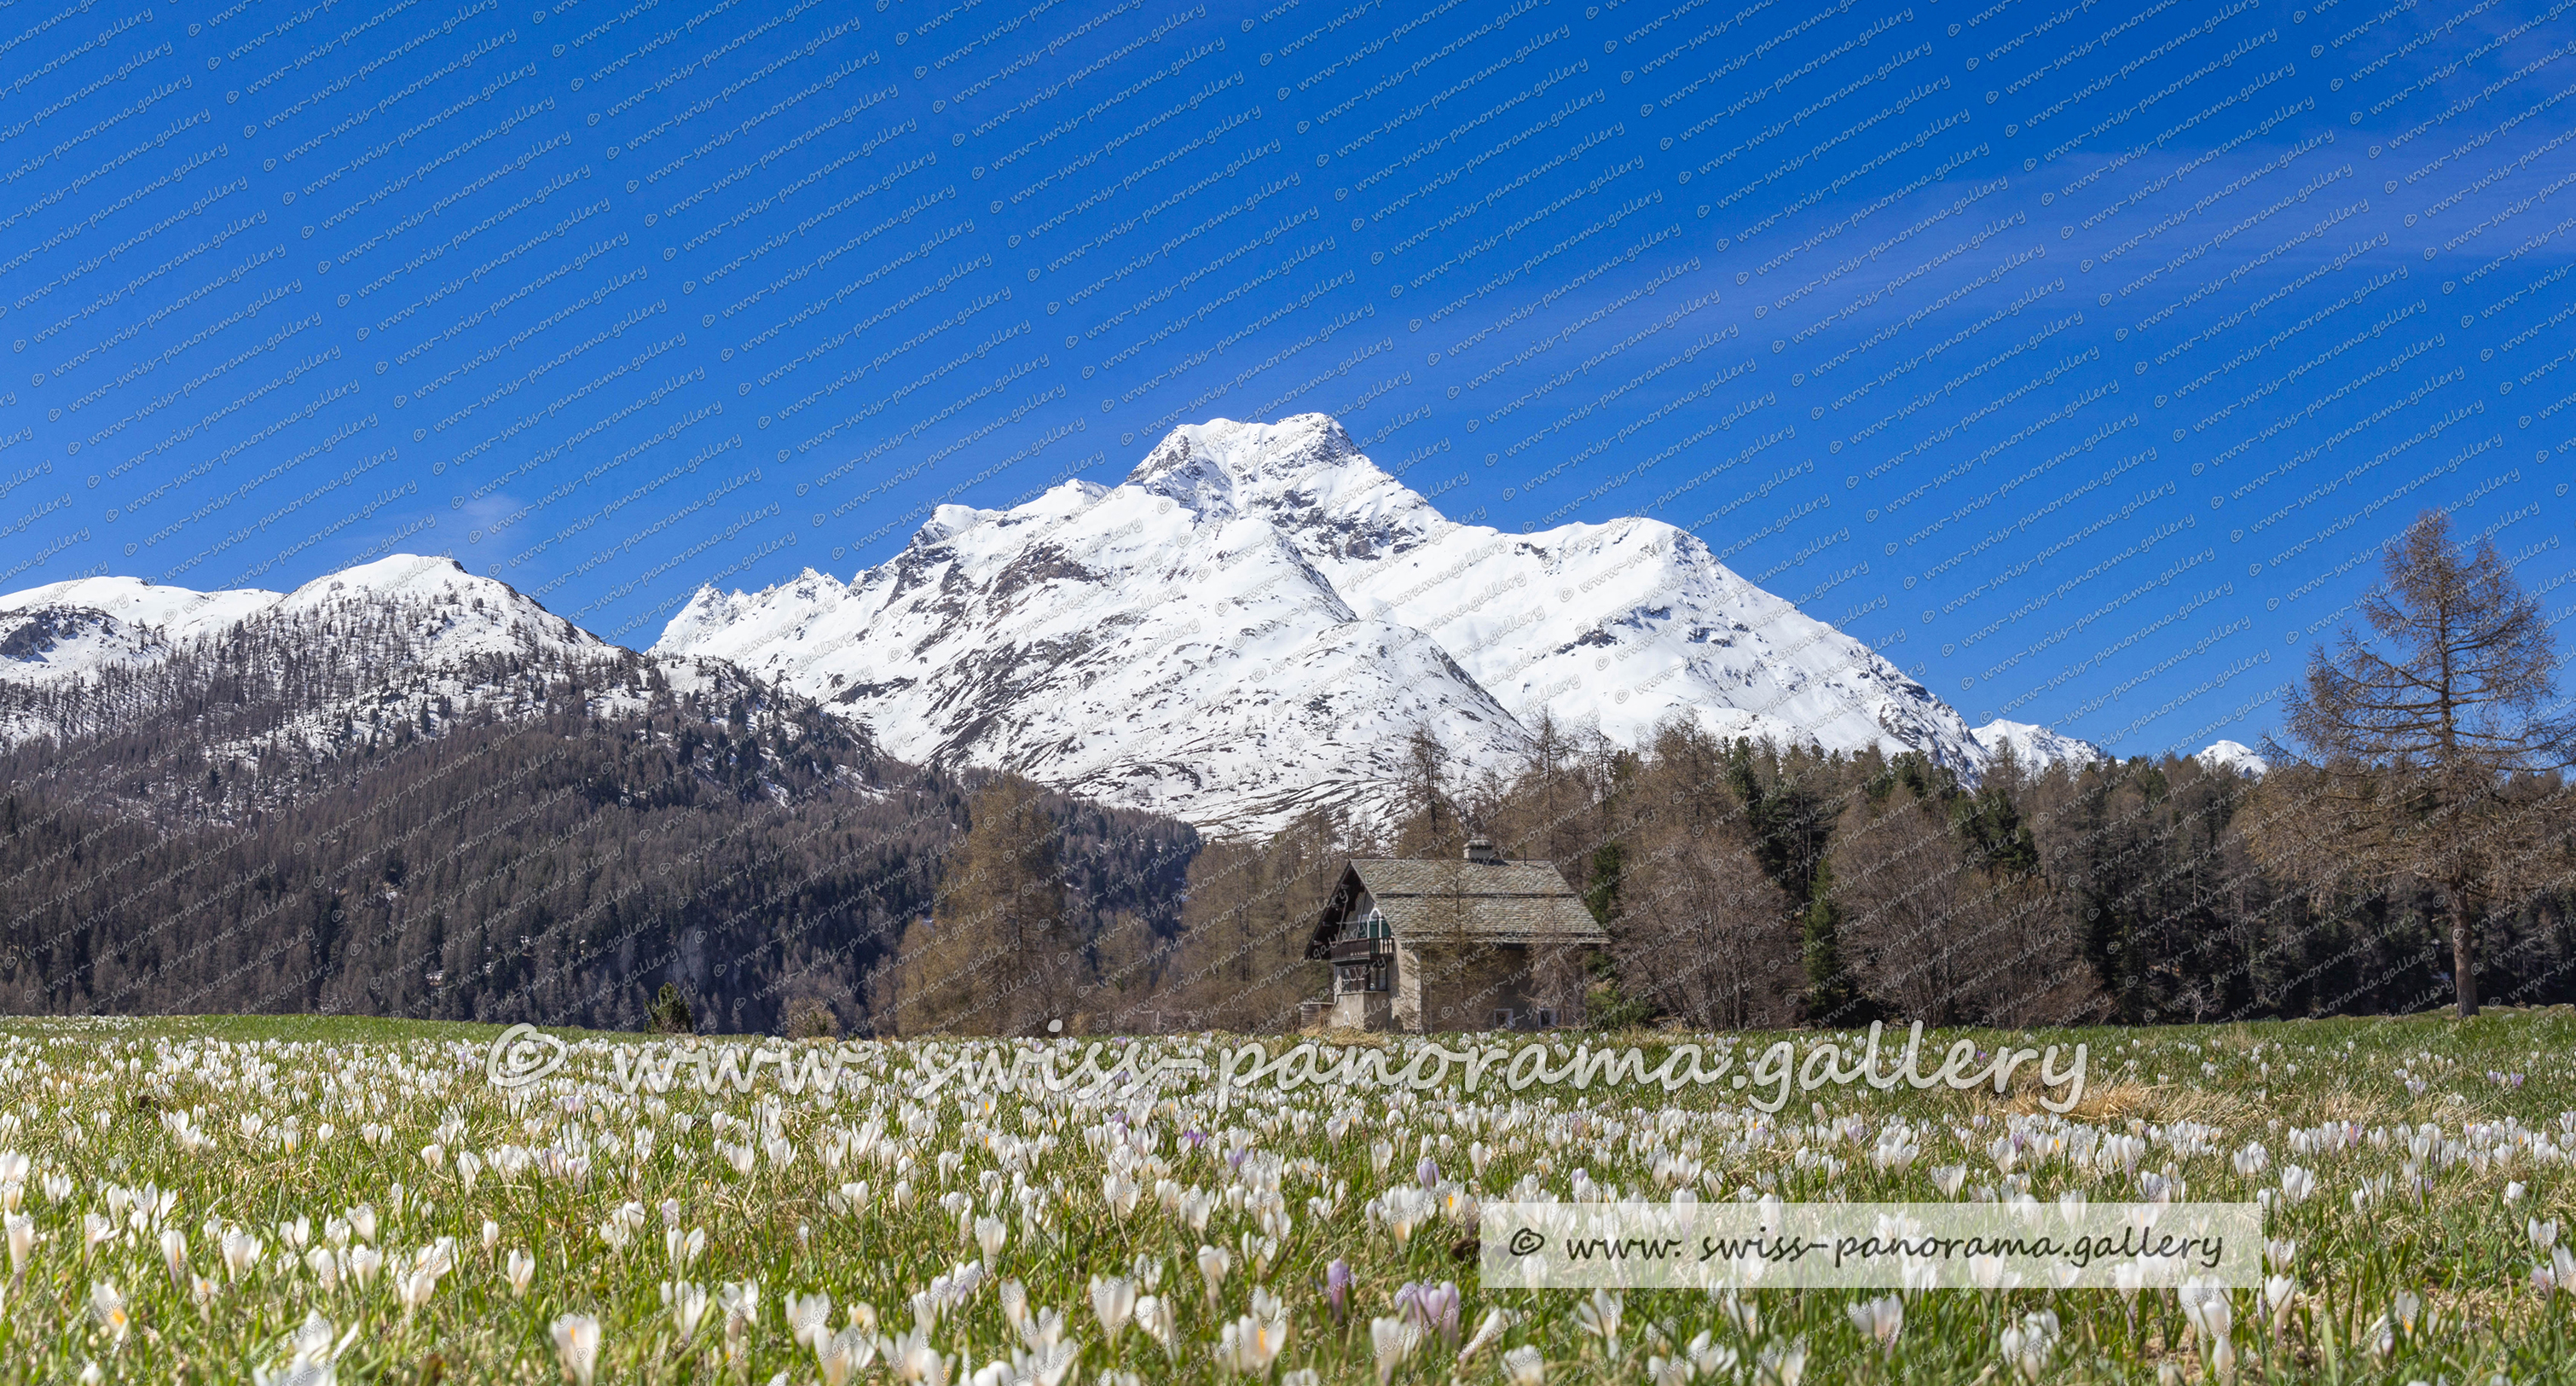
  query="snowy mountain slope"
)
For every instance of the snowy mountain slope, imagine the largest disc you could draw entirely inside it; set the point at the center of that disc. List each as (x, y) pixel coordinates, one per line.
(2037, 746)
(268, 698)
(1151, 648)
(66, 629)
(404, 640)
(1620, 625)
(443, 613)
(1259, 618)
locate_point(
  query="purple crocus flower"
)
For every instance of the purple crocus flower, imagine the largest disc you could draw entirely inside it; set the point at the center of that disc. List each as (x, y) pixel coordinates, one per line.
(1431, 1306)
(1428, 1173)
(1337, 1287)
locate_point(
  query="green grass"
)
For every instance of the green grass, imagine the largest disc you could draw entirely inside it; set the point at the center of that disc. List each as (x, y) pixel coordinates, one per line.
(285, 1029)
(101, 1107)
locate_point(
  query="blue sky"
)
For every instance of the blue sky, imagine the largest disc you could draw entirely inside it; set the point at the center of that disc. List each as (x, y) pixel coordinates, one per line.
(2079, 356)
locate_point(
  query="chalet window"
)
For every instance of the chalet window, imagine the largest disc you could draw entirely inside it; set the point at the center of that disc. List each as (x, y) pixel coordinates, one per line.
(1502, 1020)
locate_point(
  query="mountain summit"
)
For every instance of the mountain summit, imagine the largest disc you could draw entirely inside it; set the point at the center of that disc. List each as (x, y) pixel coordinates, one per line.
(1257, 620)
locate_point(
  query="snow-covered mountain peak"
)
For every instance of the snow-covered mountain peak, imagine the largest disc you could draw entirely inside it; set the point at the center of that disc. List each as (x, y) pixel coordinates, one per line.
(1259, 618)
(2236, 756)
(438, 609)
(1303, 474)
(1217, 461)
(143, 603)
(2036, 747)
(449, 611)
(403, 641)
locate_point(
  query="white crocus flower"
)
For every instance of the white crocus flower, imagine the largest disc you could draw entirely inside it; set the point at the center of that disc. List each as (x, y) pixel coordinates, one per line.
(1712, 1358)
(808, 1316)
(1781, 1364)
(914, 1359)
(1113, 1301)
(688, 1305)
(520, 1268)
(22, 1241)
(1599, 1316)
(1160, 1321)
(2279, 1292)
(1882, 1318)
(241, 1252)
(107, 1307)
(577, 1347)
(1491, 1328)
(2026, 1345)
(1250, 1343)
(844, 1355)
(313, 1356)
(1214, 1262)
(1391, 1341)
(741, 1305)
(2206, 1304)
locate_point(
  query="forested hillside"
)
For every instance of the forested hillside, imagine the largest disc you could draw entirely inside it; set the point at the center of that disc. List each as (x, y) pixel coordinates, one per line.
(1746, 886)
(543, 836)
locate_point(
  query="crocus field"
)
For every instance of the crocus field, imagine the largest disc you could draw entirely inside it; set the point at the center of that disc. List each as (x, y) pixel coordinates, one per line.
(319, 1200)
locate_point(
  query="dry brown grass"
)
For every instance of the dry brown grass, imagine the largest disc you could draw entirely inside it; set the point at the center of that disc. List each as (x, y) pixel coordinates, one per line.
(2117, 1104)
(2110, 1105)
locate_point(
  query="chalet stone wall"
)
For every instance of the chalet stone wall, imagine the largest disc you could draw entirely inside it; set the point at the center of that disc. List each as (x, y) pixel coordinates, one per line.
(1361, 1010)
(1460, 987)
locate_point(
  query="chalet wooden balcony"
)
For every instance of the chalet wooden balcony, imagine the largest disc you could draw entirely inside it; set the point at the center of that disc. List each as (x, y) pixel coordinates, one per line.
(1359, 950)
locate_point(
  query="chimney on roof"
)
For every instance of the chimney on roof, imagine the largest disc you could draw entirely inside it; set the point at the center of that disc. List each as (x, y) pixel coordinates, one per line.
(1481, 850)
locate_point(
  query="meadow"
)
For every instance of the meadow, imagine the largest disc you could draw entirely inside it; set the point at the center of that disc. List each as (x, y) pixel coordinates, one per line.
(312, 1200)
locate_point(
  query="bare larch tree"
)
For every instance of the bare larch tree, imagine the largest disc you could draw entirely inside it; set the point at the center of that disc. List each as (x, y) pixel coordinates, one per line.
(2432, 744)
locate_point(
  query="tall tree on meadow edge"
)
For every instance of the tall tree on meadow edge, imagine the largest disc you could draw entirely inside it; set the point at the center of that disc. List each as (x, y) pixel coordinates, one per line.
(2434, 744)
(998, 956)
(1240, 962)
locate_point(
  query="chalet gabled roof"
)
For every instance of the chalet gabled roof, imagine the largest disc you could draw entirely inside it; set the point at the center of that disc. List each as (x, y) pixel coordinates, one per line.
(1434, 900)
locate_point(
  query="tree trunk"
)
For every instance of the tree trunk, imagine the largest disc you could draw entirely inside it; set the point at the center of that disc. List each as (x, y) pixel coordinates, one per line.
(2464, 955)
